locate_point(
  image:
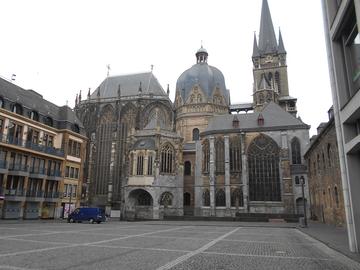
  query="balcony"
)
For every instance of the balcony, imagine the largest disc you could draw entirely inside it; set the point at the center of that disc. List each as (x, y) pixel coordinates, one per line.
(33, 146)
(52, 196)
(14, 194)
(18, 169)
(3, 167)
(34, 195)
(37, 172)
(54, 175)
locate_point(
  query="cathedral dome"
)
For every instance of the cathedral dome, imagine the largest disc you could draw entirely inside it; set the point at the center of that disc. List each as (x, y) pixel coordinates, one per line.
(206, 77)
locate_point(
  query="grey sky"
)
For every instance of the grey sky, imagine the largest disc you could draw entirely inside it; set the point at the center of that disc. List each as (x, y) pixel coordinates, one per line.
(61, 47)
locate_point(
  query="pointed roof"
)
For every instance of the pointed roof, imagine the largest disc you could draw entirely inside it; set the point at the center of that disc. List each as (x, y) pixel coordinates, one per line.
(267, 38)
(255, 48)
(281, 47)
(275, 118)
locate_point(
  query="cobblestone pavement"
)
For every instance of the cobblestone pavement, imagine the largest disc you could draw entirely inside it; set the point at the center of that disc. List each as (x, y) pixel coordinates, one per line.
(165, 245)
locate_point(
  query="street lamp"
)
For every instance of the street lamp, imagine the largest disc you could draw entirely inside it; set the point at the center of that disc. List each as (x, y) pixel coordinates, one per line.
(302, 179)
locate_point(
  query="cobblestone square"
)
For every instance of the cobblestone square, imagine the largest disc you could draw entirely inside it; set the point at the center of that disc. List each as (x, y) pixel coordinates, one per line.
(162, 245)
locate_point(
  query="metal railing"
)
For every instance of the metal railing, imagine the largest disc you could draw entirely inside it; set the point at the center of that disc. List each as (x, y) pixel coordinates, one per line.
(3, 164)
(56, 173)
(33, 146)
(37, 170)
(52, 194)
(14, 192)
(18, 167)
(35, 193)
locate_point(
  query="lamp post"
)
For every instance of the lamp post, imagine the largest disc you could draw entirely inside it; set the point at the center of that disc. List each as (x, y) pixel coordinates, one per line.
(304, 201)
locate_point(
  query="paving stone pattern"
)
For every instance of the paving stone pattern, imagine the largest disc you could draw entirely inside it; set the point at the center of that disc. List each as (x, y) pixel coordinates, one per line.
(165, 245)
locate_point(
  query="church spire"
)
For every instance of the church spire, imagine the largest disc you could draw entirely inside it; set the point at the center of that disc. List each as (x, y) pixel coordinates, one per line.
(281, 47)
(255, 48)
(267, 39)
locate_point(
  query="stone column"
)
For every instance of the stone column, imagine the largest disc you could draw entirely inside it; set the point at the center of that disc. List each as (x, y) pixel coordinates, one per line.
(199, 184)
(244, 174)
(227, 174)
(134, 163)
(212, 176)
(146, 162)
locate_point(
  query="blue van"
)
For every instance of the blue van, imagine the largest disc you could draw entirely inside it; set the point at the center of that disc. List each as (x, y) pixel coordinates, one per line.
(87, 214)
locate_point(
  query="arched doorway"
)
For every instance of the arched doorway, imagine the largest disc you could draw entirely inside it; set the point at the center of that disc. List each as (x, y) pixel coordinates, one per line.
(188, 210)
(140, 204)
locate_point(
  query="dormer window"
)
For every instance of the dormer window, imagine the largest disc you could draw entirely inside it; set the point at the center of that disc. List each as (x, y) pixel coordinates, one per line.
(76, 128)
(48, 121)
(235, 122)
(2, 102)
(260, 120)
(34, 115)
(17, 108)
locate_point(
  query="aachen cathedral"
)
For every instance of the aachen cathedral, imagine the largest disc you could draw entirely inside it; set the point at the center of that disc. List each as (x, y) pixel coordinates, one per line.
(150, 157)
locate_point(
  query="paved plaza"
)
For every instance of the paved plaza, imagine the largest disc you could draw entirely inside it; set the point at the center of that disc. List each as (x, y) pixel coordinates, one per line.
(162, 245)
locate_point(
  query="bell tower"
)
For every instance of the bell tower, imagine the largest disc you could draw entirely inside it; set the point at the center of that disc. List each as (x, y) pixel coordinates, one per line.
(269, 67)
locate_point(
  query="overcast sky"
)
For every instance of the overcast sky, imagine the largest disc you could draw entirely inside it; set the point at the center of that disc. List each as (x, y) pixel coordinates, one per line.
(61, 47)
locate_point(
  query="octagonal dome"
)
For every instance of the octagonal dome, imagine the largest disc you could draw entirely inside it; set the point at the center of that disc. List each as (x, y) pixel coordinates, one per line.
(207, 77)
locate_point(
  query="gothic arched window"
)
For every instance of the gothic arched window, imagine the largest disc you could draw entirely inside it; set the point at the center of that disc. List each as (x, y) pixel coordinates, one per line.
(187, 168)
(140, 165)
(220, 198)
(263, 165)
(187, 199)
(295, 151)
(329, 154)
(195, 134)
(150, 165)
(235, 155)
(261, 98)
(206, 198)
(336, 197)
(167, 159)
(220, 163)
(206, 156)
(166, 199)
(237, 199)
(277, 82)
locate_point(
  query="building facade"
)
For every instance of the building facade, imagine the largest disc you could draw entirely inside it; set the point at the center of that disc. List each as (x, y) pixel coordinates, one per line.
(150, 157)
(325, 187)
(342, 22)
(35, 153)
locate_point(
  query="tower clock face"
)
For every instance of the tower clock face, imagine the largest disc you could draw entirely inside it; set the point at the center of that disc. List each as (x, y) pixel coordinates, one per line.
(268, 59)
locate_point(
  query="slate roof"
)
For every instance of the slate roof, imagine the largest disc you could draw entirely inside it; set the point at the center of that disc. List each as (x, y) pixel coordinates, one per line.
(208, 77)
(275, 118)
(129, 85)
(31, 100)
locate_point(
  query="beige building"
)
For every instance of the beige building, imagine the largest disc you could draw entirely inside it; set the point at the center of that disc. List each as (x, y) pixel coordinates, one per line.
(35, 150)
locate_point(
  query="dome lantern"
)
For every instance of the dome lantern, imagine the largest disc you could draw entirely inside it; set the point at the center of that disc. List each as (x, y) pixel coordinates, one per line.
(201, 55)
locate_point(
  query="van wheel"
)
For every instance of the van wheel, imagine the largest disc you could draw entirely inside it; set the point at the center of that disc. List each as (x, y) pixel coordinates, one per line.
(91, 220)
(71, 220)
(98, 222)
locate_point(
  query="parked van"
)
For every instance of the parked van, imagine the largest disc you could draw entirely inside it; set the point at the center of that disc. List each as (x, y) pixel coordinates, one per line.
(87, 214)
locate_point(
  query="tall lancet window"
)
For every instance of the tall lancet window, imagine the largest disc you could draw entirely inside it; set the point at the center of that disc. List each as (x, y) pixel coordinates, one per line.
(220, 163)
(296, 151)
(167, 159)
(263, 165)
(206, 156)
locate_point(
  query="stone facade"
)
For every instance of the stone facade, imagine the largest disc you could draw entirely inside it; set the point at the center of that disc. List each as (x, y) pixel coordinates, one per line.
(149, 158)
(326, 193)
